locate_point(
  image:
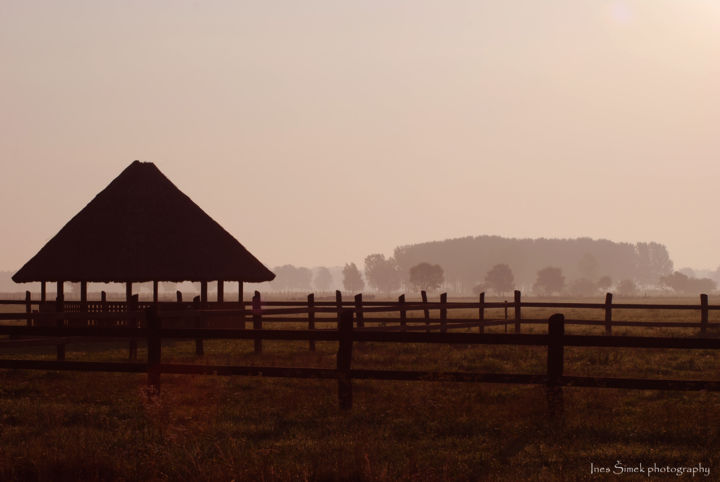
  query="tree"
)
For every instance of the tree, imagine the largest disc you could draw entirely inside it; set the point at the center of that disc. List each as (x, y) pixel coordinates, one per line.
(289, 277)
(549, 280)
(500, 278)
(426, 276)
(582, 287)
(604, 283)
(683, 284)
(323, 279)
(352, 279)
(382, 274)
(588, 266)
(627, 287)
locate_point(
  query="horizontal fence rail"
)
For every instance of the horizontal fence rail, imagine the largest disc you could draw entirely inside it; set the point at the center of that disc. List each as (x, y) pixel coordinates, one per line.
(155, 324)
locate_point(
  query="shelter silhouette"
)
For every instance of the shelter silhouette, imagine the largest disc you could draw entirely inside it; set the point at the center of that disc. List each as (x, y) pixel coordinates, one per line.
(141, 227)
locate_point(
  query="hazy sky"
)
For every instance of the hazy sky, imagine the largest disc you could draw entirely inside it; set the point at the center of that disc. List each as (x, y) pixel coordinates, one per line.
(318, 132)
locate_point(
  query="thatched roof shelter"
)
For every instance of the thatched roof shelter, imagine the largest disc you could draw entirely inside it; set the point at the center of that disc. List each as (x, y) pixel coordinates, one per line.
(142, 228)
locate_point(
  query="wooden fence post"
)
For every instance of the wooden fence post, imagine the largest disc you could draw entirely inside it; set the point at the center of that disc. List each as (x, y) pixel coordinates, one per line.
(28, 308)
(178, 296)
(241, 302)
(556, 332)
(338, 301)
(257, 319)
(132, 307)
(199, 344)
(481, 313)
(311, 318)
(344, 359)
(518, 315)
(60, 307)
(154, 346)
(423, 295)
(403, 313)
(443, 313)
(359, 316)
(703, 313)
(608, 313)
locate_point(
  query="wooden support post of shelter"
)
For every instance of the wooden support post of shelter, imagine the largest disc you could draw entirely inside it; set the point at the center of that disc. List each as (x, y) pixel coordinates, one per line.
(28, 308)
(556, 333)
(344, 359)
(60, 307)
(403, 313)
(359, 315)
(84, 301)
(200, 319)
(178, 296)
(481, 313)
(43, 291)
(518, 315)
(443, 313)
(241, 301)
(134, 324)
(703, 313)
(257, 319)
(104, 308)
(197, 305)
(156, 294)
(426, 312)
(220, 291)
(311, 318)
(608, 313)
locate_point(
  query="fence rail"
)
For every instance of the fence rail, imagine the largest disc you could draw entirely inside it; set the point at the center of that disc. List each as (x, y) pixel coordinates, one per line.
(346, 334)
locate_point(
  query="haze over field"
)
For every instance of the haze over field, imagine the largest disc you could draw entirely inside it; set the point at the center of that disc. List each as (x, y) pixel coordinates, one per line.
(320, 132)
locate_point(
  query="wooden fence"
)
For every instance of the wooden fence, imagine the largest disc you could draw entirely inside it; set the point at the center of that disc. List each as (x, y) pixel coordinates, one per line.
(155, 325)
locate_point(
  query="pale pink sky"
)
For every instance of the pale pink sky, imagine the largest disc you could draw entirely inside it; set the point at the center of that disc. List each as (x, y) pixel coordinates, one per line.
(318, 132)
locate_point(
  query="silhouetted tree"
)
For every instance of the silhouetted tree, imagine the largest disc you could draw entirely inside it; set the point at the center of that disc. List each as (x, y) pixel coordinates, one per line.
(587, 266)
(323, 279)
(352, 279)
(683, 284)
(582, 287)
(604, 283)
(500, 278)
(382, 274)
(426, 276)
(289, 277)
(653, 262)
(627, 287)
(549, 280)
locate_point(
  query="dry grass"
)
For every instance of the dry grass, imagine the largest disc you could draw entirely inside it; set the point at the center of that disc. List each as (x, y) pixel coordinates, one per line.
(99, 426)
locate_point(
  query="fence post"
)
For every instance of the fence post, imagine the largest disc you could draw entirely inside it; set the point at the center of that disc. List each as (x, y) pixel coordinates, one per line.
(199, 345)
(154, 346)
(344, 359)
(133, 321)
(556, 332)
(608, 313)
(311, 318)
(703, 313)
(28, 308)
(518, 315)
(60, 307)
(403, 313)
(443, 313)
(359, 314)
(257, 319)
(241, 302)
(481, 313)
(423, 295)
(338, 301)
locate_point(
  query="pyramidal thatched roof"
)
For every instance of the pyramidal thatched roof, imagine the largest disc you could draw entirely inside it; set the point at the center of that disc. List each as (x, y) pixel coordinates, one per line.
(142, 228)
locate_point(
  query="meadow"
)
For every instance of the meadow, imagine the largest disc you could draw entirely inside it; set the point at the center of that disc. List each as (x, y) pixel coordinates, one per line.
(108, 426)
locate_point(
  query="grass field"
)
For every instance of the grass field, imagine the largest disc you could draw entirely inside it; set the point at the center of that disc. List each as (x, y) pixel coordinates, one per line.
(104, 426)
